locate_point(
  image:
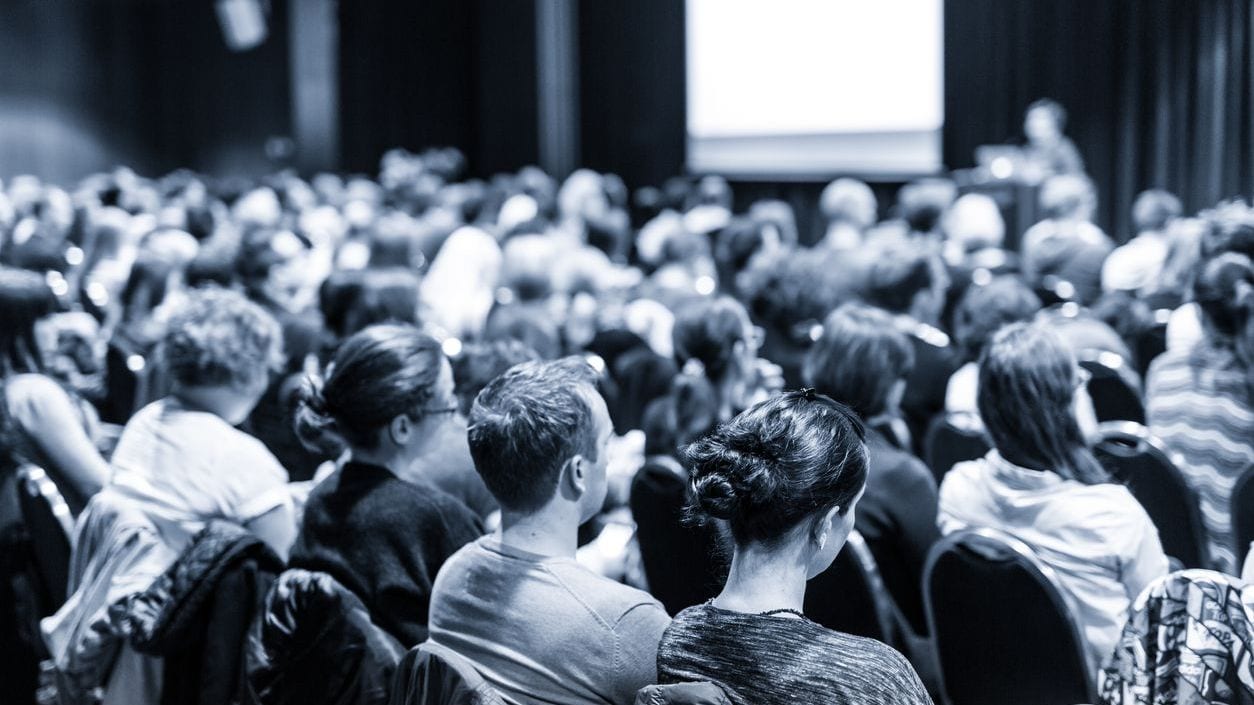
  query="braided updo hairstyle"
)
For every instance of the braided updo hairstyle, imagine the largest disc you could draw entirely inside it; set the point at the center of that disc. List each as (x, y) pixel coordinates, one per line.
(775, 465)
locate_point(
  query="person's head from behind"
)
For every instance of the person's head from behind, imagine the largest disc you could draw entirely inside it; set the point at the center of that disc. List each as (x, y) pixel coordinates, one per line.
(1031, 392)
(974, 222)
(785, 475)
(271, 266)
(539, 435)
(527, 266)
(923, 203)
(739, 242)
(219, 350)
(1225, 292)
(904, 279)
(985, 309)
(861, 360)
(1068, 197)
(714, 337)
(480, 363)
(384, 392)
(850, 202)
(1044, 121)
(25, 299)
(1154, 210)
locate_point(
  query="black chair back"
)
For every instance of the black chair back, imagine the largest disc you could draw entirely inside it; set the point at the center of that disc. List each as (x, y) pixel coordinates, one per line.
(1134, 457)
(1114, 387)
(1003, 630)
(949, 442)
(850, 595)
(1151, 342)
(51, 526)
(1242, 512)
(681, 562)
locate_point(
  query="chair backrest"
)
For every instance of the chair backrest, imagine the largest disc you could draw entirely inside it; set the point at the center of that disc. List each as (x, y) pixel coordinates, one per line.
(1151, 342)
(51, 526)
(948, 443)
(850, 595)
(315, 644)
(1139, 460)
(1003, 630)
(1242, 512)
(431, 674)
(1113, 386)
(679, 560)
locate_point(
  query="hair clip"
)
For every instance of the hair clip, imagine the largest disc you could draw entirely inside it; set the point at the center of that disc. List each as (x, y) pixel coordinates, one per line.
(809, 394)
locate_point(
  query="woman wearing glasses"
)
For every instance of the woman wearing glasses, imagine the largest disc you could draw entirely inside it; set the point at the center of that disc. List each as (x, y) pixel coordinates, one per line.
(377, 525)
(1041, 484)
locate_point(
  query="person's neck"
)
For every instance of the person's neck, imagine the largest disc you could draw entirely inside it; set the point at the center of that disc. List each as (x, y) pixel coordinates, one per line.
(386, 458)
(546, 532)
(762, 581)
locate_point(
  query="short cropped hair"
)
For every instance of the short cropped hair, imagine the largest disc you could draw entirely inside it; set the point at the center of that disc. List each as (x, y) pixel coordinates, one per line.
(899, 272)
(526, 424)
(220, 338)
(1154, 209)
(859, 357)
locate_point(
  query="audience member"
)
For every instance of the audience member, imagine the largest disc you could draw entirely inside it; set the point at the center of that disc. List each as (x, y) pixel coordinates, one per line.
(1136, 265)
(52, 427)
(786, 476)
(1200, 400)
(909, 282)
(982, 311)
(897, 513)
(386, 520)
(1063, 254)
(180, 458)
(850, 209)
(1042, 485)
(537, 625)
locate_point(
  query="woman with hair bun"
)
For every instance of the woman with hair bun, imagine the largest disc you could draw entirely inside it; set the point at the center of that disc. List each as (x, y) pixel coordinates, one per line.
(785, 475)
(379, 524)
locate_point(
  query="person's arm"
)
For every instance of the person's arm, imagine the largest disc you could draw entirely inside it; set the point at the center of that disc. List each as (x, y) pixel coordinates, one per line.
(47, 415)
(1146, 561)
(639, 631)
(277, 528)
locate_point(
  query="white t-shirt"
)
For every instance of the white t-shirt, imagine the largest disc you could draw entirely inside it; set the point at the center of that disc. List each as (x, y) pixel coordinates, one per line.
(1097, 538)
(188, 467)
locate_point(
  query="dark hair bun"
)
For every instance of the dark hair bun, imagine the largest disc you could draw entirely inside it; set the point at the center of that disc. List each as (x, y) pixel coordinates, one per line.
(715, 495)
(731, 474)
(314, 423)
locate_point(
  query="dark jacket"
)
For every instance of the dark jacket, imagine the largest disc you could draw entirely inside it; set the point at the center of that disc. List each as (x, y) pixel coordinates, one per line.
(316, 645)
(897, 517)
(197, 615)
(431, 674)
(935, 360)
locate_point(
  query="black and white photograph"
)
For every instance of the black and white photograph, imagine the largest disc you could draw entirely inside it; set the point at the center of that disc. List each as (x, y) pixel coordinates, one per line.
(626, 352)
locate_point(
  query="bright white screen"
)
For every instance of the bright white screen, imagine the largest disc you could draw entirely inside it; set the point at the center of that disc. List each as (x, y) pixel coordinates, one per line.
(815, 86)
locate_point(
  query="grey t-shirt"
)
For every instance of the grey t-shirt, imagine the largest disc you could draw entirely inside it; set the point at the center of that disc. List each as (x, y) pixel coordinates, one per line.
(546, 630)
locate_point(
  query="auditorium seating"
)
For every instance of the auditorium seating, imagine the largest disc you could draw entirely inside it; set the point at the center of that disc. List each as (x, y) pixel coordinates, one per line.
(1134, 457)
(1113, 386)
(51, 529)
(949, 442)
(850, 595)
(1002, 628)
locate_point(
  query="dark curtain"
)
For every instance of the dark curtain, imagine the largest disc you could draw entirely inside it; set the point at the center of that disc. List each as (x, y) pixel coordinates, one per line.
(1158, 90)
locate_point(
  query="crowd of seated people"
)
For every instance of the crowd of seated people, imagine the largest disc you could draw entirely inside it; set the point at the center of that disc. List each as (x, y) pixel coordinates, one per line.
(581, 442)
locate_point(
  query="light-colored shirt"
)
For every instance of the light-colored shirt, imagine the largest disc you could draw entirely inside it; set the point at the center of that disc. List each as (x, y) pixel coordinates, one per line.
(187, 467)
(962, 393)
(546, 630)
(1097, 538)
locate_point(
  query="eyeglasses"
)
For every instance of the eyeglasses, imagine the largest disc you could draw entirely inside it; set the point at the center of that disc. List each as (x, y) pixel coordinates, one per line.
(437, 412)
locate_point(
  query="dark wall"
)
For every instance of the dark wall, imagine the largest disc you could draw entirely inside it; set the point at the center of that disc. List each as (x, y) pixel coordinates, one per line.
(632, 88)
(435, 73)
(148, 83)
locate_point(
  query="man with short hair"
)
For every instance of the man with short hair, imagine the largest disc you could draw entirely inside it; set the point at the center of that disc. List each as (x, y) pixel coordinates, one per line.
(539, 627)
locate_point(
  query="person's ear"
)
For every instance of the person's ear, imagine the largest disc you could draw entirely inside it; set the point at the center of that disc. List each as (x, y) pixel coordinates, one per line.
(825, 527)
(400, 429)
(575, 476)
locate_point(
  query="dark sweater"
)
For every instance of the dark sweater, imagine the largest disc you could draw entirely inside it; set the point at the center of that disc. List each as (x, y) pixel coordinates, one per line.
(385, 539)
(897, 517)
(761, 660)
